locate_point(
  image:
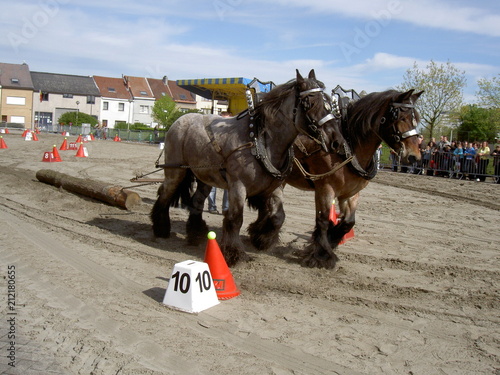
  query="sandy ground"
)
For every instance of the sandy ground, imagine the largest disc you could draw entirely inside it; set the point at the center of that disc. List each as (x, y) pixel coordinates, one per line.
(416, 291)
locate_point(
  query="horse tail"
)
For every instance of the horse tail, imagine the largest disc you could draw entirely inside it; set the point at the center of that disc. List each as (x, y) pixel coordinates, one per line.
(184, 191)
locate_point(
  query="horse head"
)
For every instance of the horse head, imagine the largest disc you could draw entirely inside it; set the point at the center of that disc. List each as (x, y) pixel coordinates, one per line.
(318, 121)
(398, 126)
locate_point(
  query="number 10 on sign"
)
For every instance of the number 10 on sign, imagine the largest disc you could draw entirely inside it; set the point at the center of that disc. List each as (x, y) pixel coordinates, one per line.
(182, 282)
(191, 288)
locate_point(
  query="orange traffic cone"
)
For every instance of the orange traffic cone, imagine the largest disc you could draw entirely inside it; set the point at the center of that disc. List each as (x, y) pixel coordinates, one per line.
(334, 219)
(57, 157)
(34, 137)
(6, 130)
(221, 275)
(26, 131)
(64, 145)
(92, 138)
(117, 139)
(2, 143)
(82, 151)
(333, 214)
(79, 139)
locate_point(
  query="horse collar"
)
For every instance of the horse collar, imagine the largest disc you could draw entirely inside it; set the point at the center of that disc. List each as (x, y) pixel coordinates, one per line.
(260, 153)
(367, 174)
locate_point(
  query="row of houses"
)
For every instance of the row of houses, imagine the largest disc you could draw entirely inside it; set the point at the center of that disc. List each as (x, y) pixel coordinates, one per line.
(32, 99)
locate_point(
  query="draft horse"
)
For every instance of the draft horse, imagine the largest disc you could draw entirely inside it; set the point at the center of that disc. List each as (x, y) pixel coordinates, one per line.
(249, 154)
(388, 116)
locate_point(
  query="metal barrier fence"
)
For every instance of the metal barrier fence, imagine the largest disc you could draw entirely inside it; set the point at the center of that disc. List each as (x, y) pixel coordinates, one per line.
(447, 164)
(147, 136)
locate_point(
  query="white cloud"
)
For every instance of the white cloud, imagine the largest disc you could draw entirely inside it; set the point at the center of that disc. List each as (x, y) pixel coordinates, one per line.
(439, 14)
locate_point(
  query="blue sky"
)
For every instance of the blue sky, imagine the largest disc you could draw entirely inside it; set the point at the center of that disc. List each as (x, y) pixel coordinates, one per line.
(361, 44)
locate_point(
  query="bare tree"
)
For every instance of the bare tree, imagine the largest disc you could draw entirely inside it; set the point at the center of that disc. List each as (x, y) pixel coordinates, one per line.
(443, 85)
(489, 92)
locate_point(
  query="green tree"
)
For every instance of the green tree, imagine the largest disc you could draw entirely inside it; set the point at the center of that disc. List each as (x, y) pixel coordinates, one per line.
(77, 119)
(443, 92)
(478, 124)
(489, 92)
(165, 112)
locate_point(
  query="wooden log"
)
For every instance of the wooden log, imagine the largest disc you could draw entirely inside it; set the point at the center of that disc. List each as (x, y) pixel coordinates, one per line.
(112, 194)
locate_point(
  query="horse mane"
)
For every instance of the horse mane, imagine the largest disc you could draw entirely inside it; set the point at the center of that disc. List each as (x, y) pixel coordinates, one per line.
(364, 115)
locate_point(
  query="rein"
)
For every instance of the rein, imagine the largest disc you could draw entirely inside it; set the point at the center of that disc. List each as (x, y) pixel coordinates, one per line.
(314, 177)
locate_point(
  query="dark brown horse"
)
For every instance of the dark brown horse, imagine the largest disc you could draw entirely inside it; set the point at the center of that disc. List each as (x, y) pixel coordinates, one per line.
(250, 155)
(388, 116)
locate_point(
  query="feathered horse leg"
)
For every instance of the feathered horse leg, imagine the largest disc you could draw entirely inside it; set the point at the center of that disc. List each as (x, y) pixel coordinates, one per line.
(264, 232)
(196, 227)
(320, 252)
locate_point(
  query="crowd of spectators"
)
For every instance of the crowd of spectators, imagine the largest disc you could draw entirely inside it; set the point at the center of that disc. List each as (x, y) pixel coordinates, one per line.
(455, 159)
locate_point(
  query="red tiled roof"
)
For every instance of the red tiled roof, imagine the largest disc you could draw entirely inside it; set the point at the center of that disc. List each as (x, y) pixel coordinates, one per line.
(178, 94)
(138, 87)
(112, 87)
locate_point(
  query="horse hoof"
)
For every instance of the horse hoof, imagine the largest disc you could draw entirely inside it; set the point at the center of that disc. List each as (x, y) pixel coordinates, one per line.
(232, 259)
(316, 260)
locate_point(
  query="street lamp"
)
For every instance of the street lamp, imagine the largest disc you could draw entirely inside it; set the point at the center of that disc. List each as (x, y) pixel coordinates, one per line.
(77, 110)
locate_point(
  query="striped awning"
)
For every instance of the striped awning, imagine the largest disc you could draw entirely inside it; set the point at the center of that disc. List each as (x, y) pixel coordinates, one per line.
(223, 88)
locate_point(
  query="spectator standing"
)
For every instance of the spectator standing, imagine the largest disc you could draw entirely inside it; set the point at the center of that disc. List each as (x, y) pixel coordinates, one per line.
(470, 163)
(484, 159)
(496, 162)
(433, 150)
(458, 155)
(417, 166)
(378, 155)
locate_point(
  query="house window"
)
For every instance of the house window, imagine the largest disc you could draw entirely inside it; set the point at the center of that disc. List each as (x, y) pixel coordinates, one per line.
(144, 109)
(17, 119)
(15, 100)
(14, 80)
(121, 107)
(43, 118)
(105, 106)
(144, 93)
(90, 99)
(68, 96)
(111, 89)
(183, 97)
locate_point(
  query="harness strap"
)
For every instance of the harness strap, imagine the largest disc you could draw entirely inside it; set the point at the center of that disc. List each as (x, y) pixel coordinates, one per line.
(210, 132)
(325, 119)
(307, 92)
(409, 133)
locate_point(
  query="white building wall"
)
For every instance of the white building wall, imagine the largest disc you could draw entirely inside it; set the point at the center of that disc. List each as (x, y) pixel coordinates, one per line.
(142, 111)
(57, 105)
(113, 113)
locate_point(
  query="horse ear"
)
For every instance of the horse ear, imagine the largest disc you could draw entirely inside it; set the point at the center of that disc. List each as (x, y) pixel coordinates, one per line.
(299, 76)
(414, 97)
(312, 74)
(405, 96)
